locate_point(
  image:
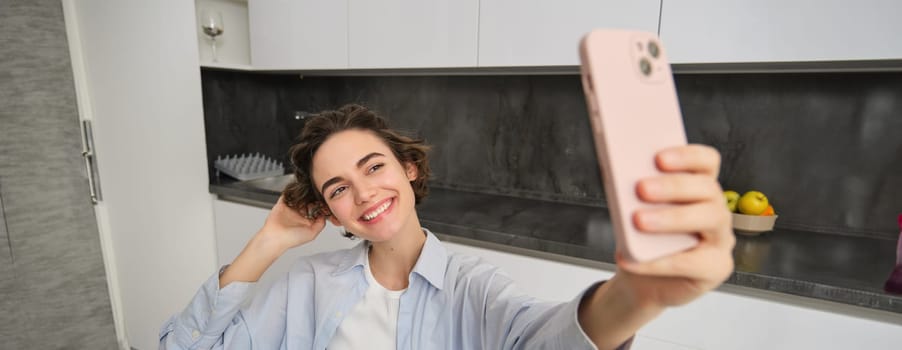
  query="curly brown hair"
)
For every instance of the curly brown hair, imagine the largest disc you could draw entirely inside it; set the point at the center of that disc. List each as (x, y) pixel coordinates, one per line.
(302, 194)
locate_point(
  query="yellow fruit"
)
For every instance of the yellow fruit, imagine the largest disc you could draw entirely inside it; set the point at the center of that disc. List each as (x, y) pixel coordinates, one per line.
(753, 203)
(732, 198)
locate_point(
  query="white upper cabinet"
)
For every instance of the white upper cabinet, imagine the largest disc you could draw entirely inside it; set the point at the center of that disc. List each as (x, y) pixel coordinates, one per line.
(298, 34)
(547, 33)
(367, 34)
(713, 31)
(413, 33)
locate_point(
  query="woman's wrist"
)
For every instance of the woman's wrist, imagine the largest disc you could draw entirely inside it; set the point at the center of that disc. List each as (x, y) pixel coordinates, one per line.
(614, 313)
(627, 298)
(260, 252)
(267, 243)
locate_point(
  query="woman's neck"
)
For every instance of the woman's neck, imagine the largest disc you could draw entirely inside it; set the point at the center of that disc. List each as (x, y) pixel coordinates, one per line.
(392, 261)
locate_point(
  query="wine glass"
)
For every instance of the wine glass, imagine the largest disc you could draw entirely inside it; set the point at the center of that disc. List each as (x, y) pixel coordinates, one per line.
(211, 22)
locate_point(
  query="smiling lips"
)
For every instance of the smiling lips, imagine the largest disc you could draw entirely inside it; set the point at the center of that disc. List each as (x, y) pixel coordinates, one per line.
(374, 213)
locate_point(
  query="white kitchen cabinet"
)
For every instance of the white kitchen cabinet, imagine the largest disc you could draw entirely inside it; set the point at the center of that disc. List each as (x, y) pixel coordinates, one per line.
(412, 33)
(732, 318)
(547, 33)
(298, 34)
(717, 31)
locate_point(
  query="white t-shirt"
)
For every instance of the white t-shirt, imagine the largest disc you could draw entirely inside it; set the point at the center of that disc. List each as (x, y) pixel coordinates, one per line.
(373, 322)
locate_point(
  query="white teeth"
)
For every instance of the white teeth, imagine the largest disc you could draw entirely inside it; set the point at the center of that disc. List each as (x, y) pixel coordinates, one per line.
(376, 212)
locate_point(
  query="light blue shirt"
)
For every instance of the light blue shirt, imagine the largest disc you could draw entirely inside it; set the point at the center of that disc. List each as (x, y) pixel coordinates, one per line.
(453, 301)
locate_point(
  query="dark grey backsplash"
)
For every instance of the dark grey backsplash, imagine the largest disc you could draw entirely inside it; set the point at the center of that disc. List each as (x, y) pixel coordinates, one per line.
(821, 146)
(826, 148)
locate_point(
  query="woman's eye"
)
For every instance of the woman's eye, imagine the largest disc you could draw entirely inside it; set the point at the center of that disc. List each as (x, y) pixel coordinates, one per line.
(375, 167)
(337, 191)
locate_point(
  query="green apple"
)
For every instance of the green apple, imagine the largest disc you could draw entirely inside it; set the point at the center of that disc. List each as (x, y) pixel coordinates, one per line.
(732, 198)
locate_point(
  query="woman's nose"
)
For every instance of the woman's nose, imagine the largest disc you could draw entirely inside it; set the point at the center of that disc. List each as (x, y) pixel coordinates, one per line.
(365, 193)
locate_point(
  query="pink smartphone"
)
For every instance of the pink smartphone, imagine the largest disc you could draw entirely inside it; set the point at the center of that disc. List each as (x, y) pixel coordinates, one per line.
(634, 112)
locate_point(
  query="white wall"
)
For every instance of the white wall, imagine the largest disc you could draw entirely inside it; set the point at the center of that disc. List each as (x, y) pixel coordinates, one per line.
(142, 83)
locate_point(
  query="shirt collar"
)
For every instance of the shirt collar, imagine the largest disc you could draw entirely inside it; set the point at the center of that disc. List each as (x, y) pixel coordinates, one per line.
(433, 261)
(356, 256)
(430, 265)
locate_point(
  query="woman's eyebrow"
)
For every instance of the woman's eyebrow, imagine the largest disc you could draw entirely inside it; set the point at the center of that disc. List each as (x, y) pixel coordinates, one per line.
(367, 157)
(360, 163)
(329, 183)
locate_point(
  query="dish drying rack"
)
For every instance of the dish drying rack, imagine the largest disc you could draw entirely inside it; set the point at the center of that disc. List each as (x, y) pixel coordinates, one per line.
(248, 166)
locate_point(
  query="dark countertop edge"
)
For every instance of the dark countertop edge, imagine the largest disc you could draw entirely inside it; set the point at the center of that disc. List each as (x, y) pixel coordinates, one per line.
(866, 65)
(563, 252)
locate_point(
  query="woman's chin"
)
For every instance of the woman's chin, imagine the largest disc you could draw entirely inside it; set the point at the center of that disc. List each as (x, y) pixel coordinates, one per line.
(377, 235)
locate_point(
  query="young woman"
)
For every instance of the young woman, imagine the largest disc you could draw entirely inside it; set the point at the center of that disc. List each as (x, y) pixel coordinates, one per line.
(400, 288)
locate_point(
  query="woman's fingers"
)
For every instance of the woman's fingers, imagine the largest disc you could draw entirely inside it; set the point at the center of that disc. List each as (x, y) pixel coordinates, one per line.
(694, 158)
(317, 225)
(290, 217)
(689, 184)
(709, 219)
(678, 188)
(699, 207)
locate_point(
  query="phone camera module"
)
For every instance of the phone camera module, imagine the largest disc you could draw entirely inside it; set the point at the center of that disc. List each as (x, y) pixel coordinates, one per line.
(645, 66)
(653, 49)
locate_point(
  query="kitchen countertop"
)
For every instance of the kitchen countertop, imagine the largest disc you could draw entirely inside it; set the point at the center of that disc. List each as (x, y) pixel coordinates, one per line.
(844, 269)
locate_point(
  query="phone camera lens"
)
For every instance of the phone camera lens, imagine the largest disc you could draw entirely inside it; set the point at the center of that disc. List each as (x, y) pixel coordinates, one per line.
(653, 49)
(645, 66)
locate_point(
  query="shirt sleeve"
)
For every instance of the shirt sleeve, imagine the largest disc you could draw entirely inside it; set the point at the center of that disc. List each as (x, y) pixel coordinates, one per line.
(219, 319)
(527, 323)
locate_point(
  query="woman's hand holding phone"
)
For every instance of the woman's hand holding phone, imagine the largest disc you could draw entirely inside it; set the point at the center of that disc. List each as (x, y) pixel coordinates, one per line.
(641, 290)
(689, 181)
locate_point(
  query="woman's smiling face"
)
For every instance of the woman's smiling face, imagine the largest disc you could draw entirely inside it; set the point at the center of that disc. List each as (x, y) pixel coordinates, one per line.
(366, 187)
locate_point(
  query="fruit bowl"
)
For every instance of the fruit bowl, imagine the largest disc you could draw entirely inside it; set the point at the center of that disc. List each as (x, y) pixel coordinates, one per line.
(753, 225)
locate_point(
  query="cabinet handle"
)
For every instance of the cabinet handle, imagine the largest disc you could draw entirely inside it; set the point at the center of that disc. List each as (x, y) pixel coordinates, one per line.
(87, 152)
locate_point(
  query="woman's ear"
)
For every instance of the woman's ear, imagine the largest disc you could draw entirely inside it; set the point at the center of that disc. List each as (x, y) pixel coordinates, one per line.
(328, 214)
(411, 170)
(334, 220)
